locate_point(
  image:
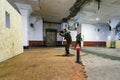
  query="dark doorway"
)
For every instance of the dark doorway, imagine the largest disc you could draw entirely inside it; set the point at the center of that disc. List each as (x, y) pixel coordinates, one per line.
(51, 37)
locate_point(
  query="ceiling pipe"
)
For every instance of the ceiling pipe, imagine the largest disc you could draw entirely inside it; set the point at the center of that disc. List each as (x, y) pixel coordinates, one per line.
(98, 1)
(75, 9)
(78, 5)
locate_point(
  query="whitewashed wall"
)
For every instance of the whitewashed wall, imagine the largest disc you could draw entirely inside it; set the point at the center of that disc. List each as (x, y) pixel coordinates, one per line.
(59, 38)
(10, 38)
(35, 33)
(25, 11)
(73, 35)
(91, 33)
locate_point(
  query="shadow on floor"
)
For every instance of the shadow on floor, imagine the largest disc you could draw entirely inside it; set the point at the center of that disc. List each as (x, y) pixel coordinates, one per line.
(70, 55)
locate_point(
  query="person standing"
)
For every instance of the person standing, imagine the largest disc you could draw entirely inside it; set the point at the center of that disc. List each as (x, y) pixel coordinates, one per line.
(66, 36)
(78, 39)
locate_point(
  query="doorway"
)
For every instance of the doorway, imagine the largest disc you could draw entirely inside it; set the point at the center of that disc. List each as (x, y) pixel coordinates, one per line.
(51, 37)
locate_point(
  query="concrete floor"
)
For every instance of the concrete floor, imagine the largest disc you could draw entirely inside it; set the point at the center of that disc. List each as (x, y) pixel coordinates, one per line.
(102, 63)
(42, 64)
(48, 64)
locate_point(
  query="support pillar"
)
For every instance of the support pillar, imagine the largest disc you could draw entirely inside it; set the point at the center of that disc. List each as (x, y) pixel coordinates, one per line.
(112, 43)
(25, 11)
(113, 23)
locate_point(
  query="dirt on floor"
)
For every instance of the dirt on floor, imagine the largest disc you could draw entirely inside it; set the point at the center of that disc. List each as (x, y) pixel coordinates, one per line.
(42, 64)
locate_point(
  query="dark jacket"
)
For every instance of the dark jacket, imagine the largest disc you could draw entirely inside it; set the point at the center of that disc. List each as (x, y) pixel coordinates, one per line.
(78, 38)
(67, 36)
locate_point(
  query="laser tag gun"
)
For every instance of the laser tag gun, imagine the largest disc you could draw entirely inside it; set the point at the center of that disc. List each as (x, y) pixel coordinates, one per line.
(66, 34)
(62, 33)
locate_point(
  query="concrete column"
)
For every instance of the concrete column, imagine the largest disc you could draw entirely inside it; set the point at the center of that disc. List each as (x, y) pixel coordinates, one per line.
(113, 23)
(112, 34)
(25, 11)
(112, 42)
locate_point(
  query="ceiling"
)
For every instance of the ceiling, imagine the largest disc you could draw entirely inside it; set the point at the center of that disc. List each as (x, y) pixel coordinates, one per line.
(49, 10)
(109, 9)
(56, 10)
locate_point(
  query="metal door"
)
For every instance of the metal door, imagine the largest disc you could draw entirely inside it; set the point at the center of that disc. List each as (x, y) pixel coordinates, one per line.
(51, 37)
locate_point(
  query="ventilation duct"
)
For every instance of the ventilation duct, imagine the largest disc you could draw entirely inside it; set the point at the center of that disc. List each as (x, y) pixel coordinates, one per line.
(78, 5)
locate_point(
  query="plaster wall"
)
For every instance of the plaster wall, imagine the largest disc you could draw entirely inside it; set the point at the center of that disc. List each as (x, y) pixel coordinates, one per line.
(10, 38)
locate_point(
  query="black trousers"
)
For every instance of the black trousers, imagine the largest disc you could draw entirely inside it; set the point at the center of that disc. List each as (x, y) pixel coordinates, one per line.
(67, 46)
(78, 43)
